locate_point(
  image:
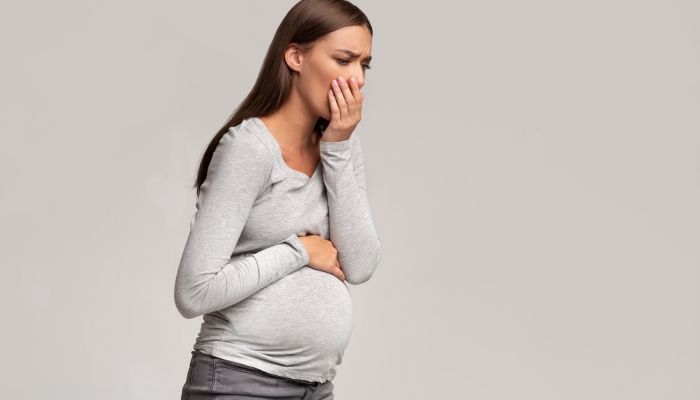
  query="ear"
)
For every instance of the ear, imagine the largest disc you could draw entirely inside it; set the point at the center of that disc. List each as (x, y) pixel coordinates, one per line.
(292, 57)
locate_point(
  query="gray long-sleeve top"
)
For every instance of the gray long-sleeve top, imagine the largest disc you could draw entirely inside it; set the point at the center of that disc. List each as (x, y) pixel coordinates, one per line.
(246, 271)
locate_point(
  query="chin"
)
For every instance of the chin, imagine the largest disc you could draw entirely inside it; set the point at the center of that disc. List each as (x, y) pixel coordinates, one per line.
(325, 113)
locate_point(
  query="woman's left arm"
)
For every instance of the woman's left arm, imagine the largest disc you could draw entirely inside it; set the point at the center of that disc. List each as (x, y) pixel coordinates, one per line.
(351, 228)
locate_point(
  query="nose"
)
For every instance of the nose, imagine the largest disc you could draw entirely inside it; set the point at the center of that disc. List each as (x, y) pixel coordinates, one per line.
(359, 78)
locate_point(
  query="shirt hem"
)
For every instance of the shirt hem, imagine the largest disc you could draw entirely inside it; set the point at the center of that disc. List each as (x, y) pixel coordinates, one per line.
(214, 350)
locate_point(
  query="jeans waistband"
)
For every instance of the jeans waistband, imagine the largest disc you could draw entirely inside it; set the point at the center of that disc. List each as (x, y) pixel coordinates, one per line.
(310, 385)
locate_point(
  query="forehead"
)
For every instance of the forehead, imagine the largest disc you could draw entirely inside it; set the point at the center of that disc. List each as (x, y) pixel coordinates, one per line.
(354, 38)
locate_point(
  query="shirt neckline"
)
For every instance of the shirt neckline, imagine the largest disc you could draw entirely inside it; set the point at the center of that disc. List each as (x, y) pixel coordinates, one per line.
(278, 154)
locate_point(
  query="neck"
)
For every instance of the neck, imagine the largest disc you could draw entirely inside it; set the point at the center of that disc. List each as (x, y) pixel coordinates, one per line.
(293, 124)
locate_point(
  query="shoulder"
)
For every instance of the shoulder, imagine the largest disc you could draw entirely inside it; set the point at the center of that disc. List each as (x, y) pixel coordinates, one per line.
(245, 135)
(241, 151)
(244, 141)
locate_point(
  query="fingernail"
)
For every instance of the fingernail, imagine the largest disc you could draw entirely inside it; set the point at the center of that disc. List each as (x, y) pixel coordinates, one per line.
(341, 80)
(335, 83)
(352, 80)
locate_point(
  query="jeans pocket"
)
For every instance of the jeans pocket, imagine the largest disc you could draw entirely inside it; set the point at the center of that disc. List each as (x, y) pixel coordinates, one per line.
(232, 379)
(235, 367)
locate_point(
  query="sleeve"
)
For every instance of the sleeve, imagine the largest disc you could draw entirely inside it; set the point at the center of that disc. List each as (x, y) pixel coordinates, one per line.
(351, 228)
(206, 281)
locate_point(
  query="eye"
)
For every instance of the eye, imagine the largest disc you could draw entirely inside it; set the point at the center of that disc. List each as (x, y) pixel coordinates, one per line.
(343, 61)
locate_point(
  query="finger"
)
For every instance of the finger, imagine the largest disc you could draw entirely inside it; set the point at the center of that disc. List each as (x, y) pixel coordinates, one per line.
(335, 111)
(336, 271)
(358, 109)
(348, 95)
(355, 87)
(342, 105)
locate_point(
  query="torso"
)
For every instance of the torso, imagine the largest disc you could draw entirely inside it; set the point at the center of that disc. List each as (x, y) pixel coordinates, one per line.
(300, 325)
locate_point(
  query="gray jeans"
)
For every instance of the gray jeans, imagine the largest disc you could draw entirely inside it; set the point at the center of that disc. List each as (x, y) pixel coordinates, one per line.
(215, 378)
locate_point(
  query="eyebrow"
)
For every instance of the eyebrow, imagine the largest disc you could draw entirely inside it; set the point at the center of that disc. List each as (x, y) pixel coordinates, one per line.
(351, 54)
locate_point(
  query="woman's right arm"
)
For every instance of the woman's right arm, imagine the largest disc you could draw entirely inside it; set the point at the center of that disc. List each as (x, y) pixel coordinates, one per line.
(205, 280)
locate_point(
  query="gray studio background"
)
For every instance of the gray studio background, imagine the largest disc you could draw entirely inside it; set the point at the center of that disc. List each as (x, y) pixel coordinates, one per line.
(533, 172)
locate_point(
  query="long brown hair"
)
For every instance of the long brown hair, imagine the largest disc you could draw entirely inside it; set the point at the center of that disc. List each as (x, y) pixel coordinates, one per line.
(306, 22)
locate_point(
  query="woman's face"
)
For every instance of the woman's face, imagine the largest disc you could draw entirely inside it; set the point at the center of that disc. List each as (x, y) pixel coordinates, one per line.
(345, 52)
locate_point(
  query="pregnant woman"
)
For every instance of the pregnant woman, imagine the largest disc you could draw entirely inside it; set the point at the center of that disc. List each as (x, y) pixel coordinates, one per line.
(283, 222)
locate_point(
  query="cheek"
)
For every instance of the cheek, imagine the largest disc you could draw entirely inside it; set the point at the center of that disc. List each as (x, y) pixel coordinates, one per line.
(316, 93)
(322, 74)
(316, 85)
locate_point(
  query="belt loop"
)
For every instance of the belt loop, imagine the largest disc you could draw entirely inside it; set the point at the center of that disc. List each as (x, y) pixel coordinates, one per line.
(310, 389)
(307, 393)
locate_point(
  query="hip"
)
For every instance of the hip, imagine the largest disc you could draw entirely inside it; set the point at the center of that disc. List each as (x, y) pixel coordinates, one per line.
(209, 377)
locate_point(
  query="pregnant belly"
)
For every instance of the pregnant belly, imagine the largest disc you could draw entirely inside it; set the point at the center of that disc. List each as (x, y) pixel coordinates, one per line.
(305, 313)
